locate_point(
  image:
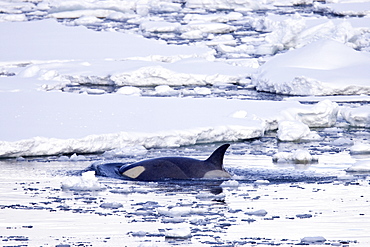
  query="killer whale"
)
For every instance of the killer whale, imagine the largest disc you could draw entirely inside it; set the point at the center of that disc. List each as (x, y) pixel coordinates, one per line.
(169, 168)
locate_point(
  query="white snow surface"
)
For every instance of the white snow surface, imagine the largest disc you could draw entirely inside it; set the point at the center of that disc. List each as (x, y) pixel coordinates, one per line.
(324, 67)
(44, 56)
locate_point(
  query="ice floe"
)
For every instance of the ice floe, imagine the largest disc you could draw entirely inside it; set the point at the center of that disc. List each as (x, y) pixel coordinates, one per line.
(299, 156)
(357, 117)
(313, 240)
(324, 67)
(86, 182)
(295, 131)
(360, 148)
(361, 165)
(184, 232)
(260, 212)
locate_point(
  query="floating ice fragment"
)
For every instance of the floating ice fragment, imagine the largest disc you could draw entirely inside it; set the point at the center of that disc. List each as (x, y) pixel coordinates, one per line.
(304, 216)
(261, 182)
(360, 166)
(175, 211)
(342, 142)
(129, 90)
(230, 183)
(95, 91)
(298, 156)
(159, 27)
(139, 234)
(260, 212)
(345, 177)
(202, 91)
(165, 90)
(63, 158)
(87, 181)
(87, 20)
(322, 114)
(295, 131)
(76, 157)
(358, 117)
(184, 232)
(309, 240)
(360, 148)
(112, 205)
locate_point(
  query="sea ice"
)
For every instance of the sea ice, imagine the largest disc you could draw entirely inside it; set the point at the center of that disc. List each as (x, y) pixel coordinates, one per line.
(360, 166)
(357, 117)
(298, 156)
(322, 114)
(360, 148)
(261, 182)
(111, 205)
(295, 131)
(312, 240)
(260, 212)
(324, 67)
(87, 181)
(184, 232)
(129, 90)
(230, 183)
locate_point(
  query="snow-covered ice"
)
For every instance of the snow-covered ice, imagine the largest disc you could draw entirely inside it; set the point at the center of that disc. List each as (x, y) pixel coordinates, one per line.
(324, 67)
(357, 117)
(299, 156)
(87, 182)
(120, 81)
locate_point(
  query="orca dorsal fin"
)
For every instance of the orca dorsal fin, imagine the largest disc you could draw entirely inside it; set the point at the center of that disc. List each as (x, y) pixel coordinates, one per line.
(217, 157)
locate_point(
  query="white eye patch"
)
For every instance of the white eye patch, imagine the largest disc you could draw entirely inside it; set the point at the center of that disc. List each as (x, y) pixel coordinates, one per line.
(134, 172)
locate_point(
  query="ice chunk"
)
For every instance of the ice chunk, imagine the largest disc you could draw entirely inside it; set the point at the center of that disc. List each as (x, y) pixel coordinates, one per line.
(111, 205)
(345, 177)
(213, 28)
(295, 131)
(311, 240)
(184, 232)
(158, 75)
(261, 182)
(360, 166)
(230, 183)
(260, 212)
(322, 114)
(358, 117)
(299, 156)
(76, 157)
(129, 90)
(165, 90)
(202, 90)
(159, 26)
(87, 181)
(360, 148)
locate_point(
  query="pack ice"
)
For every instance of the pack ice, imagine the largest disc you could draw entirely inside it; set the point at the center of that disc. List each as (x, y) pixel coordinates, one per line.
(38, 119)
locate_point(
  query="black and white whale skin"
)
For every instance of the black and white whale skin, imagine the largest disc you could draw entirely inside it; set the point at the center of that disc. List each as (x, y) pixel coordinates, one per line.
(169, 168)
